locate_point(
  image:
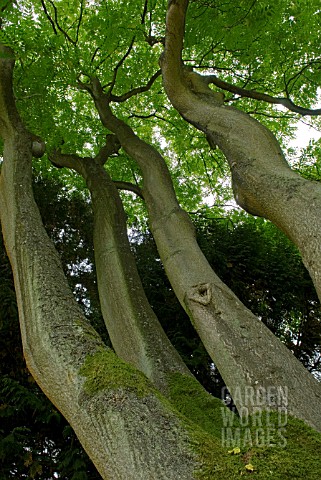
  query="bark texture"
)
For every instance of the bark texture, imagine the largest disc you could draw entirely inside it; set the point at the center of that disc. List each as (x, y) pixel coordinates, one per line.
(262, 180)
(134, 329)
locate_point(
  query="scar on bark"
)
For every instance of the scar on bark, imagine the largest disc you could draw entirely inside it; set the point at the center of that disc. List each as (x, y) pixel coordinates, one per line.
(201, 293)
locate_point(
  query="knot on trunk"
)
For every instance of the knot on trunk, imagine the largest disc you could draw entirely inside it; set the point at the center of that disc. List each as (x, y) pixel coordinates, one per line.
(201, 293)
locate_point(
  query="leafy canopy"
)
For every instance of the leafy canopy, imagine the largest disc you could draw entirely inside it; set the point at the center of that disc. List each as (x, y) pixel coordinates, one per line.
(269, 48)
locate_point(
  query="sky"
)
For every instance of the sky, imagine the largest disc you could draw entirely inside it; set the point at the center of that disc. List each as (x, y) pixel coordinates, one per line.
(304, 134)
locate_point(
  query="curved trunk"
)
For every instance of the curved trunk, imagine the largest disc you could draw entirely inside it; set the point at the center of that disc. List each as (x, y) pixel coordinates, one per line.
(262, 180)
(264, 185)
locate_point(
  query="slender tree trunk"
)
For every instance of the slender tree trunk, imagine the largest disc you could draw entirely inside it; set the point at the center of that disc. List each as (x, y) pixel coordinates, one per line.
(133, 327)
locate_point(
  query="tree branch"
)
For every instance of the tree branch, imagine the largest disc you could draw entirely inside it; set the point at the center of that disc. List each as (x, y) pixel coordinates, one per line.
(9, 116)
(292, 80)
(94, 54)
(112, 147)
(137, 90)
(104, 58)
(153, 115)
(286, 102)
(171, 60)
(74, 161)
(173, 70)
(152, 40)
(241, 20)
(131, 187)
(133, 145)
(65, 34)
(144, 12)
(80, 19)
(65, 160)
(49, 17)
(119, 64)
(183, 86)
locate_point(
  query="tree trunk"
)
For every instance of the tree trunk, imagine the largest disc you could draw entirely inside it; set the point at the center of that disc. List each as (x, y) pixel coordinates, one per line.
(127, 427)
(133, 327)
(262, 180)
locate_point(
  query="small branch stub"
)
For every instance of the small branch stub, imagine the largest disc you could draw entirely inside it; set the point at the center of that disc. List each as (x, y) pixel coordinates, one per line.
(201, 293)
(38, 148)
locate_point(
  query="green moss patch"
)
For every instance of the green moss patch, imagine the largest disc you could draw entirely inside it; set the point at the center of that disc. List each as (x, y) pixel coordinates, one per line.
(104, 370)
(267, 445)
(190, 399)
(289, 452)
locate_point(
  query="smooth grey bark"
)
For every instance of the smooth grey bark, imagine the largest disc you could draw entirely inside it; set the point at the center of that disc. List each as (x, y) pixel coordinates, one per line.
(264, 185)
(133, 327)
(128, 431)
(246, 353)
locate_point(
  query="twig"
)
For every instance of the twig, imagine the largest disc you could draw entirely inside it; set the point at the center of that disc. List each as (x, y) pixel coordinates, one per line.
(49, 17)
(80, 19)
(58, 26)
